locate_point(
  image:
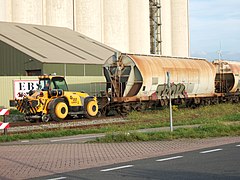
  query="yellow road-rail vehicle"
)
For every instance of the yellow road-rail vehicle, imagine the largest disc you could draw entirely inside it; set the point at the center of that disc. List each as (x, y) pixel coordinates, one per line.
(53, 101)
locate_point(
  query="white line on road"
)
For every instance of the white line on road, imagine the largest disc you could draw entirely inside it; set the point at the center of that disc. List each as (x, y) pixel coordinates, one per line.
(116, 168)
(59, 178)
(26, 141)
(238, 145)
(210, 151)
(170, 158)
(78, 138)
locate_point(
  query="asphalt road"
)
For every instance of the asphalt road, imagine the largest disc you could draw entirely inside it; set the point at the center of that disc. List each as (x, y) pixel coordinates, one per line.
(222, 162)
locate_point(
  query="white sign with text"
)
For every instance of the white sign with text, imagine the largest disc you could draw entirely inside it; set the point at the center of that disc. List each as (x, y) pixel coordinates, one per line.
(22, 87)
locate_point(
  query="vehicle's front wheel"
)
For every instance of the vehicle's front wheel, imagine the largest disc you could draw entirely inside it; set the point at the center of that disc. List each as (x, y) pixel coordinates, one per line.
(91, 108)
(58, 110)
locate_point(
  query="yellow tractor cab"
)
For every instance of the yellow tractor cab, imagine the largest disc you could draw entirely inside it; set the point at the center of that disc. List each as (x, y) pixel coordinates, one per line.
(52, 82)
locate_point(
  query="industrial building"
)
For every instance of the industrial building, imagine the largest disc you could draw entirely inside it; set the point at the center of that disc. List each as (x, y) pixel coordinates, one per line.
(33, 50)
(27, 51)
(135, 26)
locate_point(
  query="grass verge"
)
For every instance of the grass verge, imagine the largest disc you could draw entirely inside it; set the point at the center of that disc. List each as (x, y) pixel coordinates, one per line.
(215, 121)
(204, 131)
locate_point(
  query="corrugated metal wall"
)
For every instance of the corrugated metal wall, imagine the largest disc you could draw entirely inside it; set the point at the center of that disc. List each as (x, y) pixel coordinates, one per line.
(15, 62)
(89, 84)
(73, 69)
(75, 83)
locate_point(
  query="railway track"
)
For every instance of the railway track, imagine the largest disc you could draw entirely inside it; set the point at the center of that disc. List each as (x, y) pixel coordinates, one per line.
(25, 127)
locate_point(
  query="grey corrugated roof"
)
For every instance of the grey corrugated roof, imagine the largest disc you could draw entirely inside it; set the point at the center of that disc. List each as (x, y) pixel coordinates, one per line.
(54, 44)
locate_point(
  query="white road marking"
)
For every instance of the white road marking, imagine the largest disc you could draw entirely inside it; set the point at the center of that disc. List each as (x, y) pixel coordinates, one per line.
(59, 178)
(238, 145)
(78, 138)
(170, 158)
(27, 141)
(116, 168)
(210, 151)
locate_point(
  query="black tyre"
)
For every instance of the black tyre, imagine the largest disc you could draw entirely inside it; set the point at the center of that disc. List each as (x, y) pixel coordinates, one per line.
(58, 110)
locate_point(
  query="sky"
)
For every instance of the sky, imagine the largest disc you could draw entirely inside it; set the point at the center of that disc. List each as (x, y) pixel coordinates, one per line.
(214, 26)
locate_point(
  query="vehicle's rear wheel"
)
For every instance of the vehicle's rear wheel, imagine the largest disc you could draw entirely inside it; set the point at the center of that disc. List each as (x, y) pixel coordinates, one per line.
(91, 108)
(59, 110)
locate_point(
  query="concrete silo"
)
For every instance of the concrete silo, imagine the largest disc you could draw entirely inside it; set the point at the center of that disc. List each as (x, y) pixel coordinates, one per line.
(166, 28)
(88, 21)
(59, 13)
(27, 11)
(180, 31)
(116, 29)
(139, 36)
(6, 10)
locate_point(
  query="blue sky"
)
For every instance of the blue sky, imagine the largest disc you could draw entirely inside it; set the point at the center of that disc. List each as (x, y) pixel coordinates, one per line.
(215, 22)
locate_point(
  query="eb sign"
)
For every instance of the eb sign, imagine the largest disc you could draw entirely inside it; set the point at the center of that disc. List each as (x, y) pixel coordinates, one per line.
(22, 87)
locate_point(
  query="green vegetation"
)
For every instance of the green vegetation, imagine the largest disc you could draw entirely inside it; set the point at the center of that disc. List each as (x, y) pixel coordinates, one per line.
(215, 130)
(47, 134)
(14, 115)
(213, 121)
(15, 111)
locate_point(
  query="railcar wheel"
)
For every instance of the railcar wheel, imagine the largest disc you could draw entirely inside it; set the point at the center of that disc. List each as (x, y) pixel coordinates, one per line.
(142, 107)
(162, 102)
(105, 111)
(235, 99)
(46, 117)
(28, 119)
(207, 102)
(91, 108)
(59, 110)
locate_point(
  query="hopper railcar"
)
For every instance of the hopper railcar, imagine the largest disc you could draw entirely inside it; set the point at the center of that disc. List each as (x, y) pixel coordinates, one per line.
(137, 82)
(227, 81)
